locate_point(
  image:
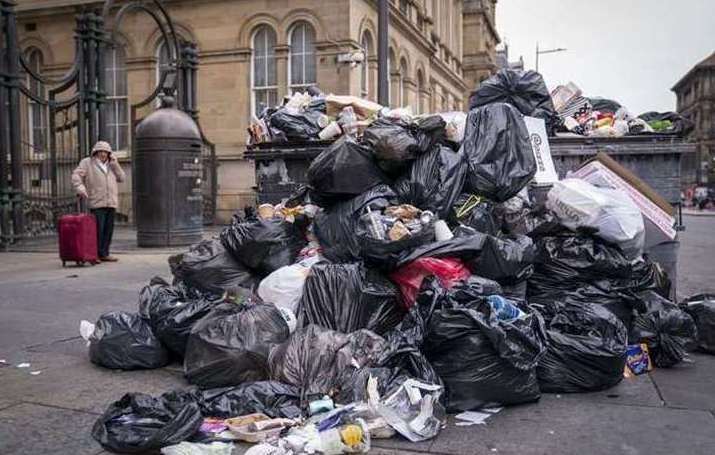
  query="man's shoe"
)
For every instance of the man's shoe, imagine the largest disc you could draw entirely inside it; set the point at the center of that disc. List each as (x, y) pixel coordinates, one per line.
(108, 259)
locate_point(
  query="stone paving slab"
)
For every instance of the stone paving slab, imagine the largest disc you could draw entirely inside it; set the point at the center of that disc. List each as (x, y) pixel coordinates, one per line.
(74, 383)
(30, 429)
(689, 385)
(566, 427)
(637, 391)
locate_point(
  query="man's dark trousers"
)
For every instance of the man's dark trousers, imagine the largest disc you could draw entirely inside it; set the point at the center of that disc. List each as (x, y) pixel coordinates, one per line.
(105, 229)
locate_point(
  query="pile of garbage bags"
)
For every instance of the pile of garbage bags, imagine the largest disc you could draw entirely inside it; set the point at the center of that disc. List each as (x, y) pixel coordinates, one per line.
(415, 275)
(601, 117)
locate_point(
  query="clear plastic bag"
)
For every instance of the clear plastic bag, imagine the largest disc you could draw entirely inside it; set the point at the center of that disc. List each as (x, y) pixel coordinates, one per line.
(578, 204)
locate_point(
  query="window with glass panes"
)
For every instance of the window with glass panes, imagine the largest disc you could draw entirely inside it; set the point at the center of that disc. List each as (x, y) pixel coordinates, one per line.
(302, 57)
(37, 113)
(117, 111)
(264, 85)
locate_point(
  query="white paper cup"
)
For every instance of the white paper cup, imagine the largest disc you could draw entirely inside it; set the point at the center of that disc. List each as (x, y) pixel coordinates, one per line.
(330, 131)
(442, 231)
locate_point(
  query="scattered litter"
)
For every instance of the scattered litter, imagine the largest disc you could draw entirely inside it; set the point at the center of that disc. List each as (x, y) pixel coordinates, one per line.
(23, 365)
(35, 373)
(470, 418)
(192, 448)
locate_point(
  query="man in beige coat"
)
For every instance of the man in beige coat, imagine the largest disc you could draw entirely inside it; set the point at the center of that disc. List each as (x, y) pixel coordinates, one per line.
(95, 180)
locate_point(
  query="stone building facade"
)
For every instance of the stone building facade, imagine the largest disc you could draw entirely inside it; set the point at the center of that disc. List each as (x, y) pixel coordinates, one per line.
(253, 52)
(696, 100)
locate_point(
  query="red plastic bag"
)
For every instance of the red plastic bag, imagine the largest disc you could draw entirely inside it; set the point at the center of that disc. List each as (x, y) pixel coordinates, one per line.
(409, 278)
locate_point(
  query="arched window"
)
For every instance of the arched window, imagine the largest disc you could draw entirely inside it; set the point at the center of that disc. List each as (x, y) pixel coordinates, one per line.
(420, 95)
(366, 45)
(117, 100)
(163, 59)
(36, 112)
(263, 82)
(301, 42)
(404, 95)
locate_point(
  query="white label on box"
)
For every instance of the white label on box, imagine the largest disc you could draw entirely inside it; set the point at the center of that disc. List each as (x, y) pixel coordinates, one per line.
(545, 170)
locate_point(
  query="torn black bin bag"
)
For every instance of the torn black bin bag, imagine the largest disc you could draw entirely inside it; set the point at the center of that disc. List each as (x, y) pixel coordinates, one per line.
(482, 358)
(668, 331)
(208, 266)
(300, 126)
(384, 254)
(139, 423)
(349, 297)
(354, 389)
(343, 171)
(701, 308)
(126, 341)
(271, 398)
(264, 246)
(318, 360)
(475, 212)
(585, 350)
(434, 181)
(335, 226)
(230, 345)
(496, 144)
(604, 105)
(525, 90)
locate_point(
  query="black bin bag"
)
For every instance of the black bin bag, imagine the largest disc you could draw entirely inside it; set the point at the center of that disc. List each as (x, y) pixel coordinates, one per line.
(525, 90)
(434, 181)
(475, 212)
(318, 360)
(349, 297)
(264, 246)
(231, 344)
(701, 308)
(497, 148)
(271, 398)
(125, 341)
(668, 331)
(343, 171)
(139, 423)
(172, 312)
(335, 227)
(301, 126)
(481, 358)
(585, 350)
(209, 267)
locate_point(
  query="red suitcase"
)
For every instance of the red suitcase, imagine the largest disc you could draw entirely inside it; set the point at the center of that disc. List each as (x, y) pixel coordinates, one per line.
(78, 238)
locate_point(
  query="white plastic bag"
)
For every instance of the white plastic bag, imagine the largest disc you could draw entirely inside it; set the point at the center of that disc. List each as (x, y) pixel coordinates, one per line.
(456, 123)
(618, 220)
(284, 287)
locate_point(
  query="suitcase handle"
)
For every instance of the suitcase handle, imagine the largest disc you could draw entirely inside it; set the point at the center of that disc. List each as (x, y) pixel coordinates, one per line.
(80, 204)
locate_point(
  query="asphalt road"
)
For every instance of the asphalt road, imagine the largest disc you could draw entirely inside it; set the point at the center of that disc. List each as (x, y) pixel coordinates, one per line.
(52, 411)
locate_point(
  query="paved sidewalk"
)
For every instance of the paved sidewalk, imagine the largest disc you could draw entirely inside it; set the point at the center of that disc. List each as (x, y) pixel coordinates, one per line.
(667, 412)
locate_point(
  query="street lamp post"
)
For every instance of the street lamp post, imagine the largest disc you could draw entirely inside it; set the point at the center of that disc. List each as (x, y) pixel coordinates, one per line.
(545, 51)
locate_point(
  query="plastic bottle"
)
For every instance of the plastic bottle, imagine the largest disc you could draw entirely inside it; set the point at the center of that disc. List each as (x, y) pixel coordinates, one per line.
(504, 309)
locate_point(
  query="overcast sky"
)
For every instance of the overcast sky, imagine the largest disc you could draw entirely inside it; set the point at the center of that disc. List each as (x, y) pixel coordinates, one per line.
(632, 51)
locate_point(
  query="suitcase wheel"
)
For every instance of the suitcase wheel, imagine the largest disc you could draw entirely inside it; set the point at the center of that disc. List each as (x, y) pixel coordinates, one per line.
(80, 263)
(64, 264)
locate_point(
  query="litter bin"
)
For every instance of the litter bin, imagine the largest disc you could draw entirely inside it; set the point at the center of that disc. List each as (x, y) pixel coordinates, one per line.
(281, 168)
(167, 179)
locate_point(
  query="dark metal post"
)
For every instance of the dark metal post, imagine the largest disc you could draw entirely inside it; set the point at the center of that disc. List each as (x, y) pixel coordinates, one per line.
(13, 78)
(383, 19)
(91, 47)
(80, 36)
(101, 94)
(4, 197)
